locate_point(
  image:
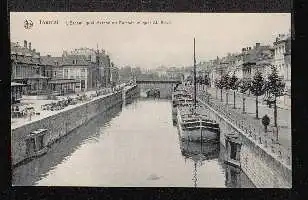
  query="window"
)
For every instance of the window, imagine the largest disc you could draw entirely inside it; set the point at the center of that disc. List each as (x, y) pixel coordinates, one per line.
(83, 73)
(82, 84)
(233, 151)
(65, 73)
(18, 71)
(55, 74)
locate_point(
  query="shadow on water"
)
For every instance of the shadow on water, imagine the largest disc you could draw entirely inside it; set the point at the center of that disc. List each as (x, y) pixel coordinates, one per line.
(30, 173)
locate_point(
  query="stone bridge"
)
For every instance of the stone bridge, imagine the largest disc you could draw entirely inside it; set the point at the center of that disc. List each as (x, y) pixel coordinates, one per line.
(165, 87)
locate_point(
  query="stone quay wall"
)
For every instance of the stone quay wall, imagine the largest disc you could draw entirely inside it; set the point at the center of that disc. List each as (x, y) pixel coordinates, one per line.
(63, 122)
(132, 92)
(259, 158)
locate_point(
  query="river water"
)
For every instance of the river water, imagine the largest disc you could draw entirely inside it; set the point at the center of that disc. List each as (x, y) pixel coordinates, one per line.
(134, 145)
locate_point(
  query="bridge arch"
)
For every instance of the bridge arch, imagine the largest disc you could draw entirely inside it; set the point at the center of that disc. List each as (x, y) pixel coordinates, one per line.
(165, 87)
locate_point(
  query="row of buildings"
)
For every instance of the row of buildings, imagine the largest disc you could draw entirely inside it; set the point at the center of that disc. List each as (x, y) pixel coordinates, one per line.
(257, 58)
(79, 70)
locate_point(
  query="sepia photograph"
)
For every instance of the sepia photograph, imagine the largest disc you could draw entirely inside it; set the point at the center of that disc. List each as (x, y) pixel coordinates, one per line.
(114, 99)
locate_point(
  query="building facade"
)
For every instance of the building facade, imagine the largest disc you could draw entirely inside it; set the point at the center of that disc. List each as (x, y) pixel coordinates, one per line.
(282, 62)
(27, 69)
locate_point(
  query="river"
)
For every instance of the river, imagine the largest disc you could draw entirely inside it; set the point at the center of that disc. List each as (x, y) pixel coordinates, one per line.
(134, 145)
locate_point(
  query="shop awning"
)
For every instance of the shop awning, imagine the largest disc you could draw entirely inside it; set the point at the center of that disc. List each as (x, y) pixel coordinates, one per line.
(17, 84)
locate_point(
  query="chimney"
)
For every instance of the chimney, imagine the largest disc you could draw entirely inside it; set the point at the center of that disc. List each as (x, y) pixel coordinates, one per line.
(30, 45)
(25, 43)
(257, 45)
(65, 53)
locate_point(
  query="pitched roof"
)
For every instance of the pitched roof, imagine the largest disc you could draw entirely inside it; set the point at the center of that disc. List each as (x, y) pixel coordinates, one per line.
(49, 60)
(67, 60)
(81, 60)
(17, 49)
(25, 55)
(256, 54)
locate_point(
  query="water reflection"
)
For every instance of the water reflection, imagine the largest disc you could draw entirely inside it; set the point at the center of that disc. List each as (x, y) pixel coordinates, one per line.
(199, 152)
(133, 146)
(235, 178)
(61, 150)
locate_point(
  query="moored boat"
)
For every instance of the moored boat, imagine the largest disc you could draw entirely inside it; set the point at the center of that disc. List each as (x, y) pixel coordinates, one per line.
(180, 102)
(196, 127)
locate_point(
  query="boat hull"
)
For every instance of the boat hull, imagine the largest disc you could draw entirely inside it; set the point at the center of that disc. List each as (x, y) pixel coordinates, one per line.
(198, 134)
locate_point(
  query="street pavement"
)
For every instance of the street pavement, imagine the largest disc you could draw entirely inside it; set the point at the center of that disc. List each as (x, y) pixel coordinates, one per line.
(283, 115)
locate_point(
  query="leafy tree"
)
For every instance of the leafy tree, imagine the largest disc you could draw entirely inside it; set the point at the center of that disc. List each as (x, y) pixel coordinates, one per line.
(257, 88)
(244, 85)
(219, 85)
(190, 79)
(275, 86)
(199, 80)
(233, 84)
(225, 82)
(206, 82)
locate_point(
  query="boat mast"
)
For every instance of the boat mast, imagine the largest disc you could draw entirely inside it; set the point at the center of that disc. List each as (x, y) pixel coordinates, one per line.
(195, 87)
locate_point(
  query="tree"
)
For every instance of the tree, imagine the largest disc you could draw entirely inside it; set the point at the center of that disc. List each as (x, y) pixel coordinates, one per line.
(225, 82)
(257, 88)
(244, 85)
(190, 79)
(219, 85)
(275, 86)
(199, 81)
(206, 82)
(233, 84)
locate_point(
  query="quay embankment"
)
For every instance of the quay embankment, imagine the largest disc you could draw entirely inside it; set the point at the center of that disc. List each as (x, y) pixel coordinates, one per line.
(265, 162)
(61, 122)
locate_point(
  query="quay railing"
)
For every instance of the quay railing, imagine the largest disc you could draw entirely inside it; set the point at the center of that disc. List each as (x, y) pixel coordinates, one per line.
(253, 129)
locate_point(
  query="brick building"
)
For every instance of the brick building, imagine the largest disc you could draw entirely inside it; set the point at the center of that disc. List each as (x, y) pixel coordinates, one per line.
(27, 69)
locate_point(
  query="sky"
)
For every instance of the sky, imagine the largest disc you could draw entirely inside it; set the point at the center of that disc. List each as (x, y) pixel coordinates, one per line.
(145, 44)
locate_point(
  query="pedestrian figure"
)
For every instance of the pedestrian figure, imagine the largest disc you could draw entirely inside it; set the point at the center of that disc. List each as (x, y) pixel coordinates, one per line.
(265, 122)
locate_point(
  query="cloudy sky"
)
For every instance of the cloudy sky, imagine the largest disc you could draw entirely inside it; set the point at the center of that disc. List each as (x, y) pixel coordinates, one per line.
(146, 44)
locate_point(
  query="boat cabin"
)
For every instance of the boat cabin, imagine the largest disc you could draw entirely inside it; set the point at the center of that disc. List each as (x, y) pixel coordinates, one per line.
(198, 122)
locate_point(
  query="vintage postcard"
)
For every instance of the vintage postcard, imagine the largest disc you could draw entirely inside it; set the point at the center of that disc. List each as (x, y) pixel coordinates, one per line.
(151, 99)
